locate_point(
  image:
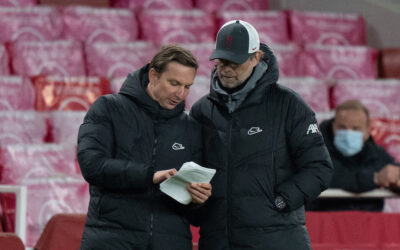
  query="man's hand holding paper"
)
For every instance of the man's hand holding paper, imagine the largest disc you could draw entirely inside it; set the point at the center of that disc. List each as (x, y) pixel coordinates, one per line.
(190, 184)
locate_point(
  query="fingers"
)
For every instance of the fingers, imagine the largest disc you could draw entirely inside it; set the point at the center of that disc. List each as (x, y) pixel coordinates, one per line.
(162, 175)
(200, 192)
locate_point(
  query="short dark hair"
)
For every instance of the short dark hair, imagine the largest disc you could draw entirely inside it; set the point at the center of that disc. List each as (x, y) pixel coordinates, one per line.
(172, 53)
(353, 105)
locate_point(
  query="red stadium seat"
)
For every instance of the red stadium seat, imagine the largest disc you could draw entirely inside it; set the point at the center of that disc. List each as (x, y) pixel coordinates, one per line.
(22, 127)
(16, 93)
(389, 63)
(287, 56)
(62, 232)
(153, 4)
(10, 241)
(30, 24)
(380, 96)
(62, 58)
(17, 3)
(4, 61)
(68, 93)
(117, 59)
(202, 52)
(313, 91)
(272, 26)
(184, 26)
(216, 5)
(338, 62)
(353, 230)
(90, 24)
(64, 125)
(386, 132)
(327, 28)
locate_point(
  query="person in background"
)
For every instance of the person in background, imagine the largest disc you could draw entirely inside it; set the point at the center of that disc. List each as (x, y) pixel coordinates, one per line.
(264, 142)
(129, 143)
(360, 165)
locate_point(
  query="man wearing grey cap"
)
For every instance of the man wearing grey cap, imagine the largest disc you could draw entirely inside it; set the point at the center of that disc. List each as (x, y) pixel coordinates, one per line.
(264, 141)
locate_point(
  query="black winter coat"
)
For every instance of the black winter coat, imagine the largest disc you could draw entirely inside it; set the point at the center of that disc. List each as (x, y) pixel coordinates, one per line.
(270, 144)
(124, 139)
(354, 174)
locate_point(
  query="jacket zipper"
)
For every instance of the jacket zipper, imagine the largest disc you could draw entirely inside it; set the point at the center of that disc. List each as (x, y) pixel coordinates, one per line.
(229, 189)
(153, 189)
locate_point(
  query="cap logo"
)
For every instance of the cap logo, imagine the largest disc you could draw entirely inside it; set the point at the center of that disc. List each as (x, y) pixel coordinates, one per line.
(228, 42)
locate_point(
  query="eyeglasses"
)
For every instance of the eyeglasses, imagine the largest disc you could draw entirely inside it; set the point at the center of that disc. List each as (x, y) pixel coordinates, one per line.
(225, 63)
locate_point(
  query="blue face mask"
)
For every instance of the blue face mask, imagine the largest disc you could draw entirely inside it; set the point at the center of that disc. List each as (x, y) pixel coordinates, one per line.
(348, 142)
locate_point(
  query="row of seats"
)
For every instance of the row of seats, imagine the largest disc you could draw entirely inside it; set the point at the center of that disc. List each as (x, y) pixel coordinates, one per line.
(70, 58)
(89, 24)
(333, 230)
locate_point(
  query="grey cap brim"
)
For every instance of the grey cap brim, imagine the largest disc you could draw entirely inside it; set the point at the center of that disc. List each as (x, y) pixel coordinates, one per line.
(229, 56)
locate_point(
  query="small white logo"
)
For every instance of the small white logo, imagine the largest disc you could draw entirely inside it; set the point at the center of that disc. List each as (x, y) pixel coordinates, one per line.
(313, 128)
(254, 130)
(177, 146)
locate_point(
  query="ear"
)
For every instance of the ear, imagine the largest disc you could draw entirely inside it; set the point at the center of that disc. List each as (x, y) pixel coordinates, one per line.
(153, 76)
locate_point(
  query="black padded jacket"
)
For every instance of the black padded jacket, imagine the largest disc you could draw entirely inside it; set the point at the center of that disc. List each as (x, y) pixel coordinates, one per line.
(123, 140)
(267, 144)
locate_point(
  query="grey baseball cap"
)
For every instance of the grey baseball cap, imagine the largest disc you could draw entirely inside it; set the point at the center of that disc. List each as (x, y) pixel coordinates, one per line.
(236, 40)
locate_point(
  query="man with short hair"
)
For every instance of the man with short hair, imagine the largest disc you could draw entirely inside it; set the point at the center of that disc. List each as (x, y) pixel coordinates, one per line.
(128, 144)
(360, 164)
(257, 135)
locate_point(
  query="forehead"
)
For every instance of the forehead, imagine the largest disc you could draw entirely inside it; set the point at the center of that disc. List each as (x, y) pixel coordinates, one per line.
(351, 117)
(179, 72)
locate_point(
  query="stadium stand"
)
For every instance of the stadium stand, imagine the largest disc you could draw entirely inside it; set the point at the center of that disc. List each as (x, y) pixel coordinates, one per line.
(287, 56)
(17, 3)
(202, 52)
(16, 93)
(56, 60)
(327, 28)
(338, 62)
(11, 241)
(313, 91)
(4, 61)
(61, 58)
(137, 5)
(68, 93)
(216, 5)
(272, 26)
(113, 60)
(380, 96)
(184, 26)
(30, 24)
(89, 24)
(389, 63)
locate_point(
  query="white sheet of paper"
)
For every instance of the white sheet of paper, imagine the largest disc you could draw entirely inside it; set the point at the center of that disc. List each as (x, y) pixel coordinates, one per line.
(175, 186)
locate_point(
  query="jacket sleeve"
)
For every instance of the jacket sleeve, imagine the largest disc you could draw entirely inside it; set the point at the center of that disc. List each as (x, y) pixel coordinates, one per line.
(360, 178)
(95, 154)
(308, 154)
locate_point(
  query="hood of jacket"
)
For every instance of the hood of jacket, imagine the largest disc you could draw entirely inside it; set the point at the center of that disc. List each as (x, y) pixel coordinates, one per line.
(265, 73)
(135, 86)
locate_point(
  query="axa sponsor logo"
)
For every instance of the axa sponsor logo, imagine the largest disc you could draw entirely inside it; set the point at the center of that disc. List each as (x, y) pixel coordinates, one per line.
(254, 130)
(312, 129)
(177, 146)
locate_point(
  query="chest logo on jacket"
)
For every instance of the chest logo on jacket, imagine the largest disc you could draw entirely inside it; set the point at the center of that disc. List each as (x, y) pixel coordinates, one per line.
(177, 146)
(313, 128)
(254, 130)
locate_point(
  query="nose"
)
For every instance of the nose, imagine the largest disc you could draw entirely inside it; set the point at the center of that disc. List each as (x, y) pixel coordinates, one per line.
(181, 92)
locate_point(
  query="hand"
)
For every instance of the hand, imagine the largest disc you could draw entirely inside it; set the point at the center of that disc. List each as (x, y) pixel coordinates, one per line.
(162, 175)
(199, 191)
(389, 176)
